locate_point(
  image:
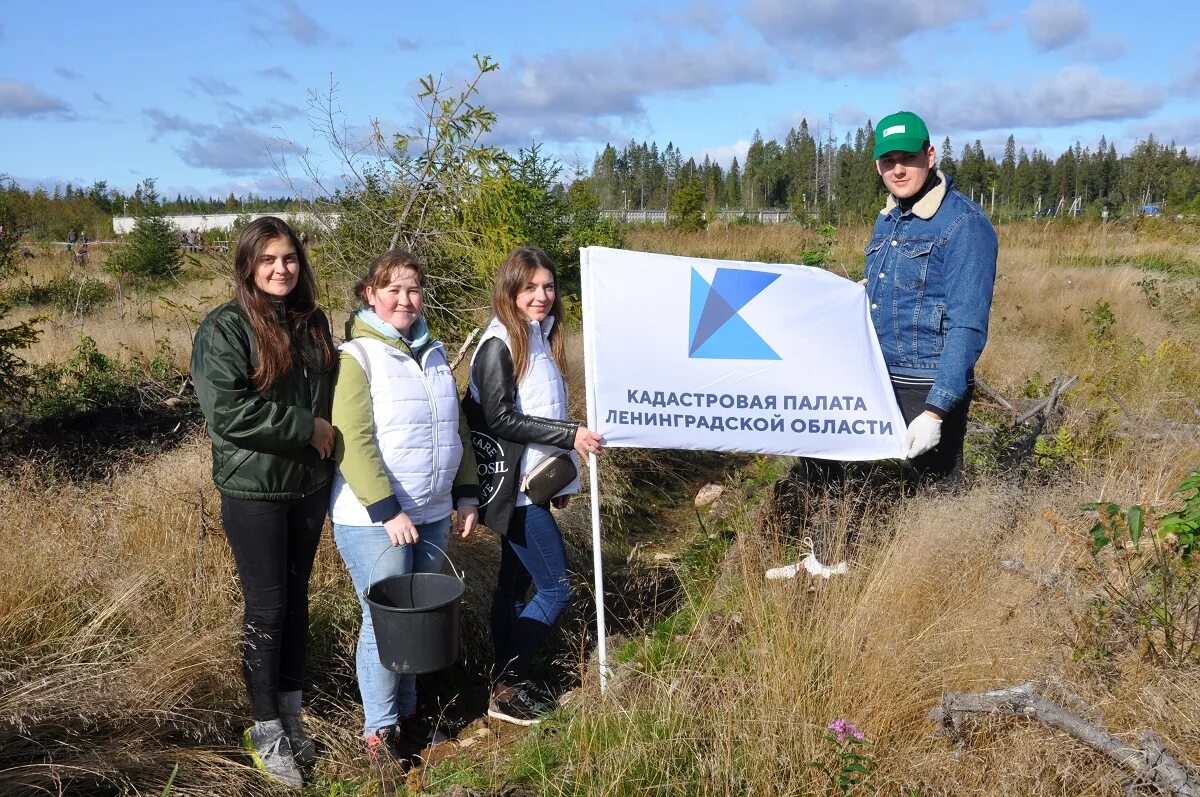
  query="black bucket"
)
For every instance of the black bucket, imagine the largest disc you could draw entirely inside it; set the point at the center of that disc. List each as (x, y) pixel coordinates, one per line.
(416, 620)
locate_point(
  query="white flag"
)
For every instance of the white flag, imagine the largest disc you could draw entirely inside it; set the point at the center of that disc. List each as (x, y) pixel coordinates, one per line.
(722, 355)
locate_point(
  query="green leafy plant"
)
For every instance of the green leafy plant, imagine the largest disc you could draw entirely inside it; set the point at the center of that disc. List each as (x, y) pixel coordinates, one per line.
(1055, 450)
(69, 294)
(1146, 564)
(92, 380)
(1149, 287)
(11, 229)
(1100, 320)
(847, 767)
(14, 379)
(687, 206)
(408, 189)
(822, 253)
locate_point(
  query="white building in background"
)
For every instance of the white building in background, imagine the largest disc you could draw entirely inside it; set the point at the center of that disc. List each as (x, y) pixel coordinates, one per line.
(123, 225)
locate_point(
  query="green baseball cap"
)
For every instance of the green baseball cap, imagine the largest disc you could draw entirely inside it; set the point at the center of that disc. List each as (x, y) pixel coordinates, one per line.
(903, 131)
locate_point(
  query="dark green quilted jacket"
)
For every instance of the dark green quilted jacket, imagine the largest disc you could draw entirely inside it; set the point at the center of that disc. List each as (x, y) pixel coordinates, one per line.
(260, 447)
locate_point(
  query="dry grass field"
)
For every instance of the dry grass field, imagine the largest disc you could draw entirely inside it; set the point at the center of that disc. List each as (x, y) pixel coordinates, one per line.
(119, 609)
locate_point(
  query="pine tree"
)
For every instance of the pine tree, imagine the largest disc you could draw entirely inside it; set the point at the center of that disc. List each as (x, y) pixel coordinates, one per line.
(946, 165)
(153, 250)
(1008, 173)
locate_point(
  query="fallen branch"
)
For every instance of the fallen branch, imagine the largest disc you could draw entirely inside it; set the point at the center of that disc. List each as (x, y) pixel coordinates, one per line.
(1018, 439)
(1048, 404)
(1150, 764)
(982, 387)
(1149, 428)
(463, 349)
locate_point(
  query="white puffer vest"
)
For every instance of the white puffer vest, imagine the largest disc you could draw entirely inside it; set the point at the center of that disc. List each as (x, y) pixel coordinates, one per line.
(416, 429)
(542, 392)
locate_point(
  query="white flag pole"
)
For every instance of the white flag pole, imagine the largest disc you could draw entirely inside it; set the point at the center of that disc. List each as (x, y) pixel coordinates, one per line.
(593, 467)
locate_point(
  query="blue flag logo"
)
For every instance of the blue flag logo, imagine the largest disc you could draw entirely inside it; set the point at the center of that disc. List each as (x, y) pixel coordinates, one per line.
(717, 332)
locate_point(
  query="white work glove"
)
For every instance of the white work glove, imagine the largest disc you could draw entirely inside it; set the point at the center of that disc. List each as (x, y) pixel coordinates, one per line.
(923, 434)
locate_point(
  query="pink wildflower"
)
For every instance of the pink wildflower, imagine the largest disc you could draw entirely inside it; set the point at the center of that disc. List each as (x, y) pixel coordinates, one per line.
(843, 729)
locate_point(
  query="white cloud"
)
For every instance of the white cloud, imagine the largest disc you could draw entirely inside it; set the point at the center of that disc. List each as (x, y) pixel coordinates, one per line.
(710, 16)
(724, 154)
(839, 37)
(1189, 82)
(232, 149)
(1102, 48)
(298, 26)
(262, 114)
(214, 87)
(1184, 132)
(22, 101)
(1056, 23)
(301, 26)
(163, 122)
(1075, 94)
(569, 96)
(279, 73)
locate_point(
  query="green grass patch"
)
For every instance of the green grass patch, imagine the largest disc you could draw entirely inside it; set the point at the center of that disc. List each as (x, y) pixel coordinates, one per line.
(93, 380)
(451, 772)
(66, 293)
(629, 751)
(666, 644)
(1166, 263)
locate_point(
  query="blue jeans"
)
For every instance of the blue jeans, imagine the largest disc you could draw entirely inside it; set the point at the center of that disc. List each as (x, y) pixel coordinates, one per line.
(386, 696)
(532, 554)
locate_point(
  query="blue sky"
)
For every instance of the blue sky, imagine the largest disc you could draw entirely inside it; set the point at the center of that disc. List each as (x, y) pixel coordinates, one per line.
(195, 94)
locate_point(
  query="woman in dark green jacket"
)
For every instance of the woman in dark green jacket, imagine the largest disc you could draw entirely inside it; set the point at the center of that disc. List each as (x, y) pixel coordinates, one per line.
(262, 367)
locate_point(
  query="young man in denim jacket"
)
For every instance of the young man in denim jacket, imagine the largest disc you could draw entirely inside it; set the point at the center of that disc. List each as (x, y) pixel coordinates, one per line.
(930, 270)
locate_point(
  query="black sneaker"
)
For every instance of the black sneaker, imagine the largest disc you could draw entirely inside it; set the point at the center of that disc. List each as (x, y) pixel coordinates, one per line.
(304, 749)
(519, 705)
(422, 731)
(539, 692)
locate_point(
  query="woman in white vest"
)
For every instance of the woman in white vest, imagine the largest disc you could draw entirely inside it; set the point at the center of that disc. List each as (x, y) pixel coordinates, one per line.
(517, 404)
(402, 466)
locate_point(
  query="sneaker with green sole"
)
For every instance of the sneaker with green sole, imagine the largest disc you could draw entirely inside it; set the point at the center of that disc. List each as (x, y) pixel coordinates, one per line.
(271, 753)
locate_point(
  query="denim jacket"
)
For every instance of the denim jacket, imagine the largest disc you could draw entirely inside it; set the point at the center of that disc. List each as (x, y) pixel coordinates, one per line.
(930, 273)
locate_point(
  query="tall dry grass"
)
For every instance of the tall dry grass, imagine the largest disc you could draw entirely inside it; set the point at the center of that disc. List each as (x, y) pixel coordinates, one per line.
(138, 320)
(742, 708)
(119, 622)
(120, 617)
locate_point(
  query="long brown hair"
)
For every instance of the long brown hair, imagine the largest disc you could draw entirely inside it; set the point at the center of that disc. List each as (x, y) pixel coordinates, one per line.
(516, 272)
(274, 331)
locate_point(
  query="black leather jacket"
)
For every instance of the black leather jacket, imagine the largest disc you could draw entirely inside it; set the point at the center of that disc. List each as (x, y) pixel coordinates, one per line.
(496, 415)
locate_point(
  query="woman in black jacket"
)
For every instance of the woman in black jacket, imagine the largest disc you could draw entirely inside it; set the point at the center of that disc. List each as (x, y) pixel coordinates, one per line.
(262, 367)
(517, 407)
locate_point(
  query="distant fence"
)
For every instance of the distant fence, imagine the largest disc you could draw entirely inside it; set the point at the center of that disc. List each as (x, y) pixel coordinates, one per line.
(123, 225)
(729, 214)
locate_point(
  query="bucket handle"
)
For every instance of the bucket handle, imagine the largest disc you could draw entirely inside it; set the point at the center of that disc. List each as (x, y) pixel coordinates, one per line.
(461, 575)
